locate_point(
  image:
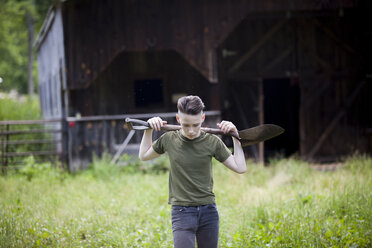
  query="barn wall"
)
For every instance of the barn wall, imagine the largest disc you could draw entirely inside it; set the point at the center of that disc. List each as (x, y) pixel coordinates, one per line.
(113, 92)
(106, 45)
(97, 31)
(325, 53)
(51, 64)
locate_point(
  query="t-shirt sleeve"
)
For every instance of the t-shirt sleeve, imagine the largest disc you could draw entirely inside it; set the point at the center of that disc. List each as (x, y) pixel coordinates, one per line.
(159, 144)
(221, 151)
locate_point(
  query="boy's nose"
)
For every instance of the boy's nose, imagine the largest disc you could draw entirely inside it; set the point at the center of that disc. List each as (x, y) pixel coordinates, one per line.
(191, 132)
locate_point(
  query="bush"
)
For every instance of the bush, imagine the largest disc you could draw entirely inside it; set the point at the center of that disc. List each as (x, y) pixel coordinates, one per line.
(41, 170)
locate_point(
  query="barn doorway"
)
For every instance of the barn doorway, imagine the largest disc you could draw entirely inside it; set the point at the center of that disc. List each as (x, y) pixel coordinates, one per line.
(281, 107)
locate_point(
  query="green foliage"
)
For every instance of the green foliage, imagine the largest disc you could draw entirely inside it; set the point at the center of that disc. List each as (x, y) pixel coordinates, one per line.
(285, 205)
(14, 107)
(14, 41)
(41, 170)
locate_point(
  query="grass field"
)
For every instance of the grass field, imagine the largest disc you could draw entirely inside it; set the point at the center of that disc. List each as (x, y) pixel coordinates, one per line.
(285, 205)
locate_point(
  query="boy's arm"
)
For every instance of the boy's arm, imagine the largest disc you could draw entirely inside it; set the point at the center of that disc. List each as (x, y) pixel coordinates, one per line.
(235, 162)
(146, 152)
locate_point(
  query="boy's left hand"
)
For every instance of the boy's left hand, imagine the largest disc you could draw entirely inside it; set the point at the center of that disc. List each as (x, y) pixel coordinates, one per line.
(227, 126)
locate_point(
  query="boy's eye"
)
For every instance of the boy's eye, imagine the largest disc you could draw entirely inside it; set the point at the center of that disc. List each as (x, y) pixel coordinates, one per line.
(188, 125)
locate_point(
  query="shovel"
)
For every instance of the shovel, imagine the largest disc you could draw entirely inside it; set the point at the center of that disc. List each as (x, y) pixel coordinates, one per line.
(247, 137)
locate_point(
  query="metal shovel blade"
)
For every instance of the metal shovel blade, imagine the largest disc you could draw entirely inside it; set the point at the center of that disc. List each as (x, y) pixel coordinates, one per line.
(259, 133)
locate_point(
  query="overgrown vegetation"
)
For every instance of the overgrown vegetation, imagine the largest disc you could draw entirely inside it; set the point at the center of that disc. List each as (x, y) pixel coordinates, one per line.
(285, 205)
(19, 107)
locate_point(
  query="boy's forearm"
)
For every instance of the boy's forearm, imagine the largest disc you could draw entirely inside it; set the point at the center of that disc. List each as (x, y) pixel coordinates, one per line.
(146, 143)
(239, 156)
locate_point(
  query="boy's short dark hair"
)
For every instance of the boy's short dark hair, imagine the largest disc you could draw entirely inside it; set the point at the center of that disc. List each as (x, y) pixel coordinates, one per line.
(191, 105)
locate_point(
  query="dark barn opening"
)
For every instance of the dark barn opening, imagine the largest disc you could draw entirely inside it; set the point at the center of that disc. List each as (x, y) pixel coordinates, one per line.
(281, 106)
(148, 92)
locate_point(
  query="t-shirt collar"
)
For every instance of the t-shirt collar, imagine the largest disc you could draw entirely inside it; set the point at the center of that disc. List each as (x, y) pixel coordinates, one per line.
(202, 134)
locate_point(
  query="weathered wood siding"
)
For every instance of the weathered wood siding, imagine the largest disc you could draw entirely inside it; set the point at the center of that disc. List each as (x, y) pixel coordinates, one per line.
(52, 75)
(51, 65)
(113, 92)
(326, 53)
(98, 31)
(94, 51)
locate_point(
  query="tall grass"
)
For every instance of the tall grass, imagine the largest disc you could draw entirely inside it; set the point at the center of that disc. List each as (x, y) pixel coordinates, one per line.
(286, 205)
(15, 107)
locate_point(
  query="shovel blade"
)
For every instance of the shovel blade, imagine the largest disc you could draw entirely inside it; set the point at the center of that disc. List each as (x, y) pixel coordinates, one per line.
(258, 134)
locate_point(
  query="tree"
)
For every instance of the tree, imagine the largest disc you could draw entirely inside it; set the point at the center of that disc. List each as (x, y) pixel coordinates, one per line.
(18, 21)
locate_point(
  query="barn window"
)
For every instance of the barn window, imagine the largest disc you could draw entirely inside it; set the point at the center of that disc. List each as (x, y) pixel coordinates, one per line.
(148, 92)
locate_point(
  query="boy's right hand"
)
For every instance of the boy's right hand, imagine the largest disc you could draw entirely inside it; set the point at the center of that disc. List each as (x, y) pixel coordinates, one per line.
(156, 123)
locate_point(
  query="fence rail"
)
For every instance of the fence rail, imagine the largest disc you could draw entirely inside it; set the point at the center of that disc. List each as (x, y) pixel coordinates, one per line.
(72, 140)
(42, 139)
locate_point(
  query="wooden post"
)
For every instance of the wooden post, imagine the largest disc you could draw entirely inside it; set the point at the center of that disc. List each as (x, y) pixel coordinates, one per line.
(2, 143)
(261, 120)
(243, 118)
(6, 145)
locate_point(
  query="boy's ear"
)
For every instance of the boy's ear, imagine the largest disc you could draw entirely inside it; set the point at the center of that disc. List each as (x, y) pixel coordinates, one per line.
(178, 118)
(203, 117)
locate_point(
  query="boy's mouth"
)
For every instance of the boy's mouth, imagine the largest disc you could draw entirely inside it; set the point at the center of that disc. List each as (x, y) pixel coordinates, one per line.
(192, 136)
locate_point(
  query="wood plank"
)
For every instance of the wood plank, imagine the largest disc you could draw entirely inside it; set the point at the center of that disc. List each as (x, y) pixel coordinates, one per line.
(313, 54)
(122, 147)
(25, 154)
(266, 37)
(316, 95)
(334, 37)
(32, 131)
(29, 122)
(22, 142)
(243, 118)
(278, 59)
(334, 121)
(135, 116)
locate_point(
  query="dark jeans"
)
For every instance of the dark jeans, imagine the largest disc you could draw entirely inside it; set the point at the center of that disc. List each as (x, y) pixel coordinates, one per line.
(200, 222)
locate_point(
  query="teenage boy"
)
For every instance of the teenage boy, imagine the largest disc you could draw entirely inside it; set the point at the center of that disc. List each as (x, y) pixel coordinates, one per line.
(190, 151)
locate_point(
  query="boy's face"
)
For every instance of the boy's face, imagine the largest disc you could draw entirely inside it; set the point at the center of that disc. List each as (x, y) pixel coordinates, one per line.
(190, 124)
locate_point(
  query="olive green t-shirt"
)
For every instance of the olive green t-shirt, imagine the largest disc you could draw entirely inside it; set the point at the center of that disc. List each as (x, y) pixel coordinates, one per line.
(190, 175)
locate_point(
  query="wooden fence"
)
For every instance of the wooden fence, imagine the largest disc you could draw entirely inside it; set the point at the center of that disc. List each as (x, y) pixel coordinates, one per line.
(74, 141)
(95, 135)
(42, 139)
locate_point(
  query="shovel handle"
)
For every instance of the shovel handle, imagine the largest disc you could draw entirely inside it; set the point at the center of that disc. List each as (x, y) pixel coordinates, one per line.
(219, 132)
(169, 127)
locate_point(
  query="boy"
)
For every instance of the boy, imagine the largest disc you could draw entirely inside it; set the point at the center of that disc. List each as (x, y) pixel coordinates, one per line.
(190, 151)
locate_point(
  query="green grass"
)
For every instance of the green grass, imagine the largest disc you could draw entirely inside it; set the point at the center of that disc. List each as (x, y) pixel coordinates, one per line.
(14, 107)
(286, 205)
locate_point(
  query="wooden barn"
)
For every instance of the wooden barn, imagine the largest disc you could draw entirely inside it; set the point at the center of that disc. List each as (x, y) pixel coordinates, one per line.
(299, 64)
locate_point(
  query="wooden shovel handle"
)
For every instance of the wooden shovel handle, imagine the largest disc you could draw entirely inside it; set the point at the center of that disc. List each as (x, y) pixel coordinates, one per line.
(219, 132)
(169, 127)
